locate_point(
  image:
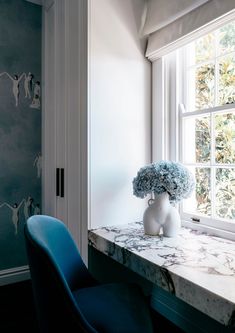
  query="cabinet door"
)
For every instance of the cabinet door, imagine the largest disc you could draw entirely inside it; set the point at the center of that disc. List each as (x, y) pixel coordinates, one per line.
(49, 109)
(54, 109)
(61, 109)
(65, 117)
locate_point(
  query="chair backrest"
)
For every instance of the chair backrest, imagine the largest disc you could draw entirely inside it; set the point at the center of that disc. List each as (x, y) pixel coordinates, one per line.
(56, 269)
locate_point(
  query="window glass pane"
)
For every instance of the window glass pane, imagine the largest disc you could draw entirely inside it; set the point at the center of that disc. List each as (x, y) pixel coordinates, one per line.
(225, 137)
(203, 139)
(201, 50)
(201, 87)
(200, 200)
(203, 190)
(227, 38)
(225, 193)
(227, 80)
(205, 48)
(197, 140)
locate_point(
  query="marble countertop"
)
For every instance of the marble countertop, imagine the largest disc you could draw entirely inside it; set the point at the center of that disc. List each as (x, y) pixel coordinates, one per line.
(195, 267)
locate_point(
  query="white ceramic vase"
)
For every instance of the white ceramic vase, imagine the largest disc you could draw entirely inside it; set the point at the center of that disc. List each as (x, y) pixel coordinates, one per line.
(161, 214)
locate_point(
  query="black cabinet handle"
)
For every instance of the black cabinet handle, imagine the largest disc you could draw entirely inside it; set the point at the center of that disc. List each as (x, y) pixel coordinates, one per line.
(62, 183)
(57, 182)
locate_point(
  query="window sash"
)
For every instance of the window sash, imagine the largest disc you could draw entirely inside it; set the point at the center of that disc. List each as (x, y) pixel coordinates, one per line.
(217, 223)
(215, 60)
(167, 136)
(192, 217)
(208, 111)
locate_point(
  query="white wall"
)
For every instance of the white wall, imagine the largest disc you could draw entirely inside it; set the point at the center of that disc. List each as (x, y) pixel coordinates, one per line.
(119, 111)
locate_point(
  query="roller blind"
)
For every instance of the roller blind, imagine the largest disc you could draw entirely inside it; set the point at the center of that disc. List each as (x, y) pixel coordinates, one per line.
(169, 32)
(162, 12)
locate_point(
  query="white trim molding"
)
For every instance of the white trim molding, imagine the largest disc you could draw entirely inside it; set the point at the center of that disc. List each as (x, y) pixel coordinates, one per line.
(13, 275)
(36, 2)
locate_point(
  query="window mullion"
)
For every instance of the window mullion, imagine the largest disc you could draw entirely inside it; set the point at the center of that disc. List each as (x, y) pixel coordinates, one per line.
(183, 102)
(212, 119)
(216, 100)
(173, 111)
(212, 161)
(182, 96)
(158, 111)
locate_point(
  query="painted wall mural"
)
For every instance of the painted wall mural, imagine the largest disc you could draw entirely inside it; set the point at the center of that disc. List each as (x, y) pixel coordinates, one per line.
(28, 82)
(20, 125)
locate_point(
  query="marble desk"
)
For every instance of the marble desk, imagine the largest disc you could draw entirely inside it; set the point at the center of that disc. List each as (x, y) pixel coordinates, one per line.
(195, 267)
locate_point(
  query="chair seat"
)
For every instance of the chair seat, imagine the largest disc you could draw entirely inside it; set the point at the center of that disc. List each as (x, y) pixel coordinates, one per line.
(115, 308)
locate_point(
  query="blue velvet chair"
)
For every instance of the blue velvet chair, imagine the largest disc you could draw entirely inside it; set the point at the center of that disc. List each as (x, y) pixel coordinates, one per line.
(67, 297)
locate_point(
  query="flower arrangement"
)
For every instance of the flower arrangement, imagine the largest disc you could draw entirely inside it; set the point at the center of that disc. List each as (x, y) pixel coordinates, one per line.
(164, 176)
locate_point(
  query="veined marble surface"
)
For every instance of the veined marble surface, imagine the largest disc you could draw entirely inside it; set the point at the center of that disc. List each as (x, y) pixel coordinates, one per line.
(195, 267)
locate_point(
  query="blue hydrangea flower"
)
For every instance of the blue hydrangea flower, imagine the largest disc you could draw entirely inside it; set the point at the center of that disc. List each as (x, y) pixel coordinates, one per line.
(164, 176)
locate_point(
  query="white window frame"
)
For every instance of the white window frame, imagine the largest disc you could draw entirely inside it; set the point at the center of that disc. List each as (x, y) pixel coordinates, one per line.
(166, 123)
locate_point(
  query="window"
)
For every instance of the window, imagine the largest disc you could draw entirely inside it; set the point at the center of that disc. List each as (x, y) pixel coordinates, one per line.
(207, 144)
(195, 109)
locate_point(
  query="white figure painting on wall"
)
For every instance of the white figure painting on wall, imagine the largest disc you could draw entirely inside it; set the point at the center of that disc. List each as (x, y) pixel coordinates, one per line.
(37, 210)
(28, 207)
(36, 96)
(38, 164)
(15, 87)
(28, 82)
(28, 87)
(15, 213)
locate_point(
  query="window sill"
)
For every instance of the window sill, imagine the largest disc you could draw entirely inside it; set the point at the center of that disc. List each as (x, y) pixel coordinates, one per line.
(195, 267)
(211, 231)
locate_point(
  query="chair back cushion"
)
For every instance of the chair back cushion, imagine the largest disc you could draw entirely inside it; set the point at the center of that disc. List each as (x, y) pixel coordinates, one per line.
(56, 270)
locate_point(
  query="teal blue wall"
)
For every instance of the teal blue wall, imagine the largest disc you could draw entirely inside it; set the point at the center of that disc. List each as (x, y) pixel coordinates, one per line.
(20, 126)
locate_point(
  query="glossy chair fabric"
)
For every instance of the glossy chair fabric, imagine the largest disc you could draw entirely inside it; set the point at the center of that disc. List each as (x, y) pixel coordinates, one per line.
(67, 297)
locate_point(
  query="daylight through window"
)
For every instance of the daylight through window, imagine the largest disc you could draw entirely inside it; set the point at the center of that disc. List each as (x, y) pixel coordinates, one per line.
(208, 124)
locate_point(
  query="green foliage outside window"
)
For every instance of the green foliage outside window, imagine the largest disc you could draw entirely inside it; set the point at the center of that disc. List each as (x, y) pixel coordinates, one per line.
(222, 124)
(224, 129)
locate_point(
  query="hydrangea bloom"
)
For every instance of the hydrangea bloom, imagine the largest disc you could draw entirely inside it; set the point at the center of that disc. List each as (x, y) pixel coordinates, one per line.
(164, 176)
